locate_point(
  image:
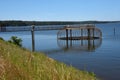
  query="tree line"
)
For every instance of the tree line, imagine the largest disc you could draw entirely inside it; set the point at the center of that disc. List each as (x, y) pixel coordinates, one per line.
(29, 23)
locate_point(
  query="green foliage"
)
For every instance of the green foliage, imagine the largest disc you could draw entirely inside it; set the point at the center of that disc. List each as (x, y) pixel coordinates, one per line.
(1, 38)
(15, 40)
(12, 23)
(29, 23)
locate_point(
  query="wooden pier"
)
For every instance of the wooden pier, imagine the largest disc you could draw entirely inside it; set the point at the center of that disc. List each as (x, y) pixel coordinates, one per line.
(66, 35)
(83, 32)
(28, 28)
(84, 37)
(2, 29)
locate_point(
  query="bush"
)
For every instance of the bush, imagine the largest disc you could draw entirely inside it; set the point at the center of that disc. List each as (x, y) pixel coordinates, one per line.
(15, 40)
(1, 38)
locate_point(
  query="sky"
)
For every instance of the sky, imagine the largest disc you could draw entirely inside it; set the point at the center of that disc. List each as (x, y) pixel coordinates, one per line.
(60, 10)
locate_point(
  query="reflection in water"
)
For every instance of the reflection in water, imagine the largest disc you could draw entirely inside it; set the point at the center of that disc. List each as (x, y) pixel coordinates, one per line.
(85, 45)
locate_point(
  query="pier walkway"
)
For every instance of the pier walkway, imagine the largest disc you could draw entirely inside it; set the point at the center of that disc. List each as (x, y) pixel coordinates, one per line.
(28, 28)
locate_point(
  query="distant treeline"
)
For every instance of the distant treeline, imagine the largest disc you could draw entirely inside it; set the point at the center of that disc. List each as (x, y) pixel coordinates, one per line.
(29, 23)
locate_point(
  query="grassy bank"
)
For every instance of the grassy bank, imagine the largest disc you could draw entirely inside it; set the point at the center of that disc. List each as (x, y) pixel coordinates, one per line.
(20, 64)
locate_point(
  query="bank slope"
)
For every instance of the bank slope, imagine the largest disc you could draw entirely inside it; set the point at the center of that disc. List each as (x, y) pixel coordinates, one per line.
(20, 64)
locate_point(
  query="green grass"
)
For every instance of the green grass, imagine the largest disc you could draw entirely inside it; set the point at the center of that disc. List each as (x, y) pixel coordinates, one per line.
(20, 64)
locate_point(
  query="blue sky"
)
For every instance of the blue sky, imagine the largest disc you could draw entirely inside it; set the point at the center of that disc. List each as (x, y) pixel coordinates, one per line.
(60, 10)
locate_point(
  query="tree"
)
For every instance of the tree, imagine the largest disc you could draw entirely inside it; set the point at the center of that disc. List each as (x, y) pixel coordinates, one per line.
(15, 40)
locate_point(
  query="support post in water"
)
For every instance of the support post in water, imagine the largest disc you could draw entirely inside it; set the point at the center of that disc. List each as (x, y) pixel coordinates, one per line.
(67, 37)
(88, 33)
(67, 34)
(33, 40)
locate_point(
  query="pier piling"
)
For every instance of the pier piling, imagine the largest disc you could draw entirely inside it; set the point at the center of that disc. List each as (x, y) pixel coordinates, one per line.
(33, 40)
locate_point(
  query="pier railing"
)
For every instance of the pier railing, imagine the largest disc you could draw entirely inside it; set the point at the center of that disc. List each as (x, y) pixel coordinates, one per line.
(79, 32)
(28, 28)
(85, 37)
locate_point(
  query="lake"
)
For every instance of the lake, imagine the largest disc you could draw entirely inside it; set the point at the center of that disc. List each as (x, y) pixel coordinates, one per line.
(103, 60)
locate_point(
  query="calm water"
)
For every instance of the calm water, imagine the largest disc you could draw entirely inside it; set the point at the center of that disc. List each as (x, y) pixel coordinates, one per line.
(104, 60)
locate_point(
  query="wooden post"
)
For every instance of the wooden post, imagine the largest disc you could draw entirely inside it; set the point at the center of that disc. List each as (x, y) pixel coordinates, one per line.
(70, 34)
(70, 37)
(66, 37)
(93, 33)
(81, 37)
(93, 39)
(67, 34)
(82, 33)
(33, 40)
(89, 42)
(3, 28)
(88, 33)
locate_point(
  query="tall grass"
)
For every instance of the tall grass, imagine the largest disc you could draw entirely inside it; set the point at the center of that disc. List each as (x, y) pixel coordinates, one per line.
(20, 64)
